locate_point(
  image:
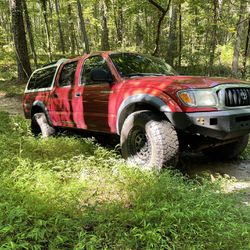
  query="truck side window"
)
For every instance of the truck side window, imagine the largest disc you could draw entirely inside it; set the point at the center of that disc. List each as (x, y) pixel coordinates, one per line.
(67, 75)
(42, 78)
(94, 62)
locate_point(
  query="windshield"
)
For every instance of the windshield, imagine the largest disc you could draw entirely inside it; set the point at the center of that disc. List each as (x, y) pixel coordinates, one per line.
(129, 65)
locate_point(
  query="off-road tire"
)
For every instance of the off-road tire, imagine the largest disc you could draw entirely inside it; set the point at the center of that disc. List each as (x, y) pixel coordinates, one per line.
(228, 151)
(161, 147)
(40, 126)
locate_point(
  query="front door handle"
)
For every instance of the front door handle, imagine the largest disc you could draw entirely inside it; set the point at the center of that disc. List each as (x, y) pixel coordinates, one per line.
(106, 92)
(77, 94)
(55, 95)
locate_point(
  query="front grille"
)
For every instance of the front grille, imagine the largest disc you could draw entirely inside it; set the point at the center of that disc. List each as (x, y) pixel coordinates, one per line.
(235, 97)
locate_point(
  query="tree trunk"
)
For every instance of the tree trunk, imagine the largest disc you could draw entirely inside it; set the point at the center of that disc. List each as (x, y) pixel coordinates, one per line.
(213, 41)
(6, 25)
(246, 52)
(237, 46)
(104, 26)
(44, 10)
(30, 33)
(72, 30)
(161, 18)
(59, 28)
(120, 24)
(23, 63)
(78, 47)
(172, 38)
(138, 33)
(118, 20)
(83, 29)
(180, 36)
(51, 21)
(34, 19)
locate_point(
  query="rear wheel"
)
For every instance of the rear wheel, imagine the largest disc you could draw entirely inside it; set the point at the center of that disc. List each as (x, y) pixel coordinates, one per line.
(229, 151)
(149, 141)
(40, 125)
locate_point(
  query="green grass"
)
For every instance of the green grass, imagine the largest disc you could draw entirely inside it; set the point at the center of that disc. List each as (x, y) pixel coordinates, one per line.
(71, 193)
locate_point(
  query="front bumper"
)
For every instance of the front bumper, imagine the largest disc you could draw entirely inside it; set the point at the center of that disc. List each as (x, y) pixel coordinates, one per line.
(222, 125)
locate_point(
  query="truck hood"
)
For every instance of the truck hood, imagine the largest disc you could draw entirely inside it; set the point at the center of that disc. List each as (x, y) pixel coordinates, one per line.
(180, 82)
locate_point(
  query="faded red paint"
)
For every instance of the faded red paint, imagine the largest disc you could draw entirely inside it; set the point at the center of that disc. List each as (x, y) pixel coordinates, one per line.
(95, 107)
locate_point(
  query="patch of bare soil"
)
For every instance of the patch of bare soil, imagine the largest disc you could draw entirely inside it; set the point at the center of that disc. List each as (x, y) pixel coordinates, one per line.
(11, 104)
(195, 164)
(237, 172)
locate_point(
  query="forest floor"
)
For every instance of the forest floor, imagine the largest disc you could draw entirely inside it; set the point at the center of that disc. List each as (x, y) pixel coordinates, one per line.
(11, 104)
(238, 172)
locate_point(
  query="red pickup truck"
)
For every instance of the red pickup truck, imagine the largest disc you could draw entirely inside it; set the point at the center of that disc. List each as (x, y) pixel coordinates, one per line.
(156, 112)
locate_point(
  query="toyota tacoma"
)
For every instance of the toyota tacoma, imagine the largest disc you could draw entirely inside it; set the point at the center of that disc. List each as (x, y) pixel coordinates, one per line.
(156, 112)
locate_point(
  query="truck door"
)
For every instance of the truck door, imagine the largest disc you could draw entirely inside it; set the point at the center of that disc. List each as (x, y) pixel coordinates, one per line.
(60, 104)
(94, 97)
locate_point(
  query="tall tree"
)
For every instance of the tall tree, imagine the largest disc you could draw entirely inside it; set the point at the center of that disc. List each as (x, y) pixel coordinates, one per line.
(238, 41)
(30, 33)
(71, 30)
(23, 63)
(246, 51)
(104, 26)
(59, 27)
(138, 32)
(119, 19)
(172, 38)
(5, 23)
(180, 35)
(161, 18)
(44, 10)
(51, 21)
(213, 40)
(82, 26)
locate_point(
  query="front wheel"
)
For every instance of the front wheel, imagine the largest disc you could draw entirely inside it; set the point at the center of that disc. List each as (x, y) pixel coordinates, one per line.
(228, 151)
(40, 125)
(149, 141)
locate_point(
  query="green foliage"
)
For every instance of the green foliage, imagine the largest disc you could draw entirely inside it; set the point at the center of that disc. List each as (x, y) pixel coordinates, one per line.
(202, 70)
(132, 25)
(226, 54)
(70, 193)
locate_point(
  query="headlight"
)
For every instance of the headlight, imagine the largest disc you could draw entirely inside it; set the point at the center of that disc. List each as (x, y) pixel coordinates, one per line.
(198, 98)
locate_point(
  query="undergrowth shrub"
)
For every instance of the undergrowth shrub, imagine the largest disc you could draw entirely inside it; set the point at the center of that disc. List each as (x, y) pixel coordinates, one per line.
(70, 193)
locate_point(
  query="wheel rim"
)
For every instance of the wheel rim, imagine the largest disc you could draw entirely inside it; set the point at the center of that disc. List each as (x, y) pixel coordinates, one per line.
(140, 145)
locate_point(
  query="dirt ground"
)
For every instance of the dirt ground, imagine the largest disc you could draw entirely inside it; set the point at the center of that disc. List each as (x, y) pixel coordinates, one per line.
(238, 172)
(12, 104)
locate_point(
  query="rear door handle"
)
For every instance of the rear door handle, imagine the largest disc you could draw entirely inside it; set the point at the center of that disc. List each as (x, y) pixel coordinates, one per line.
(77, 94)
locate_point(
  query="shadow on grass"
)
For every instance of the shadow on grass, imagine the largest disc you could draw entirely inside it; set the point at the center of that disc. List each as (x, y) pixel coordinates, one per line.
(165, 211)
(66, 193)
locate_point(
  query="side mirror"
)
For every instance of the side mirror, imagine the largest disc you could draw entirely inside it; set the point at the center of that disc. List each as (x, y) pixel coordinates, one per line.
(101, 75)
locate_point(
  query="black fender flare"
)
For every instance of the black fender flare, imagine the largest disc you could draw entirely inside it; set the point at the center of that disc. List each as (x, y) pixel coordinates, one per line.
(154, 101)
(42, 106)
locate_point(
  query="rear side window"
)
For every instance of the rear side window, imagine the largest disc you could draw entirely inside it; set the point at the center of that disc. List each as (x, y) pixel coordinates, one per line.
(67, 75)
(42, 79)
